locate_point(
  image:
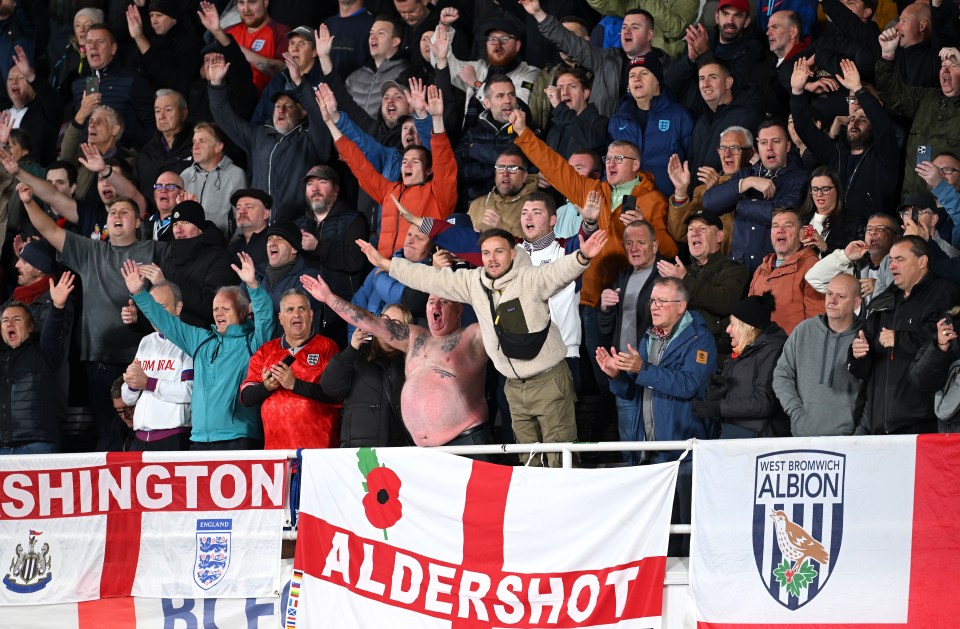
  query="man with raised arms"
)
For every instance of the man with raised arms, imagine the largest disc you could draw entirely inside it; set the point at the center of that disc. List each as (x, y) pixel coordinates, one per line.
(442, 400)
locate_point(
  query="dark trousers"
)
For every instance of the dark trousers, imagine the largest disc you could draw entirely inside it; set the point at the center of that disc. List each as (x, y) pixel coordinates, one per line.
(478, 438)
(173, 443)
(112, 433)
(240, 443)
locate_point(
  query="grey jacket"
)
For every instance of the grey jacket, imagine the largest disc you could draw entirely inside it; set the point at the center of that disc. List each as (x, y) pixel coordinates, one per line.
(364, 83)
(214, 188)
(812, 382)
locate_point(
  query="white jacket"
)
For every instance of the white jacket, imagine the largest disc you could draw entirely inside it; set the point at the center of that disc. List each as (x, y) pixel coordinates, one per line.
(565, 305)
(168, 405)
(837, 262)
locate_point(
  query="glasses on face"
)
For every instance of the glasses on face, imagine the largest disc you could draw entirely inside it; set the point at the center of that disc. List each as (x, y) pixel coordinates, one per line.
(502, 39)
(731, 149)
(166, 186)
(513, 170)
(878, 229)
(920, 212)
(948, 170)
(125, 413)
(660, 303)
(822, 189)
(616, 158)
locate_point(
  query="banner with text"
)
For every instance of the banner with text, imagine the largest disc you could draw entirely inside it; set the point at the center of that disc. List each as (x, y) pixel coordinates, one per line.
(845, 532)
(418, 538)
(82, 527)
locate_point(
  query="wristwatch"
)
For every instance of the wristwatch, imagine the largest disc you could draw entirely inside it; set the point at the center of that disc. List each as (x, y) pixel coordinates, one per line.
(476, 85)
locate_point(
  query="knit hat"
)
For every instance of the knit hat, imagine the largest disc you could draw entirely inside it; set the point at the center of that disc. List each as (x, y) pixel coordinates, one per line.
(190, 212)
(756, 310)
(167, 7)
(289, 231)
(41, 256)
(651, 62)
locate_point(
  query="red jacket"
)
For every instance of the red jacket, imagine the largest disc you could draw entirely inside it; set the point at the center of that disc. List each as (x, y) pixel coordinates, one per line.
(290, 420)
(435, 197)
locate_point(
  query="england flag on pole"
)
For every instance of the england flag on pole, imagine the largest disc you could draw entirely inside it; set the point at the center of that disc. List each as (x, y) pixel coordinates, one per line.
(852, 533)
(417, 538)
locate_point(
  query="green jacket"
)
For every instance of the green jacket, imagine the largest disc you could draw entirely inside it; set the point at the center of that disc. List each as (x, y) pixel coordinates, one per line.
(670, 17)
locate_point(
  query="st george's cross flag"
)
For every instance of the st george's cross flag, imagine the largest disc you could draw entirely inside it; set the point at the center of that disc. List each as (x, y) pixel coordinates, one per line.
(156, 524)
(842, 533)
(416, 538)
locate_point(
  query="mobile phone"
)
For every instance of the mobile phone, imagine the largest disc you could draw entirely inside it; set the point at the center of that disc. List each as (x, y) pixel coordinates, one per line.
(915, 215)
(924, 153)
(629, 204)
(808, 231)
(92, 85)
(288, 360)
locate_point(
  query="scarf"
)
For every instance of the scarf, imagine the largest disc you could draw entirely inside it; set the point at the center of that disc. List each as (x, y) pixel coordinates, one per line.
(31, 292)
(540, 243)
(276, 273)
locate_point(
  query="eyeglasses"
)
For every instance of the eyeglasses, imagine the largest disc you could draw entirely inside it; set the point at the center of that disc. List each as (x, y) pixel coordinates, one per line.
(822, 189)
(948, 170)
(920, 212)
(617, 158)
(513, 170)
(851, 100)
(731, 149)
(503, 39)
(878, 229)
(125, 413)
(660, 303)
(166, 186)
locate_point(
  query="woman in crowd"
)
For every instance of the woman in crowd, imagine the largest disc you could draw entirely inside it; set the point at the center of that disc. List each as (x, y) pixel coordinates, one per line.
(742, 396)
(823, 210)
(368, 376)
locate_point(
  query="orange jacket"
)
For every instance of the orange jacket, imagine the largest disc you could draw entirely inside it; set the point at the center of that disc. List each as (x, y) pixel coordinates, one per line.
(796, 299)
(435, 197)
(571, 184)
(290, 420)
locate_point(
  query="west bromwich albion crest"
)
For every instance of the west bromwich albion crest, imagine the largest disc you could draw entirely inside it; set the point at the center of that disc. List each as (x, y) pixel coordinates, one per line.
(29, 571)
(213, 551)
(797, 522)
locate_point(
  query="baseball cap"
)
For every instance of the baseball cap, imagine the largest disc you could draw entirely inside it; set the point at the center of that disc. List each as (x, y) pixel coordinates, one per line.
(922, 200)
(253, 193)
(322, 172)
(709, 219)
(742, 6)
(302, 31)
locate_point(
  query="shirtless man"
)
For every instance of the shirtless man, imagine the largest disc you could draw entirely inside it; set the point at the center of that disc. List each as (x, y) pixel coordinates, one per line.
(442, 400)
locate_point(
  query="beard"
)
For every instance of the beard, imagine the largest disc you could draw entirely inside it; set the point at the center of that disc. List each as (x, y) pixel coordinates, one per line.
(864, 140)
(319, 207)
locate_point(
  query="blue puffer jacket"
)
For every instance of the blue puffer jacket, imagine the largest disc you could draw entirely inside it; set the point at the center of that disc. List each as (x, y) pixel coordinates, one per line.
(680, 378)
(668, 130)
(220, 364)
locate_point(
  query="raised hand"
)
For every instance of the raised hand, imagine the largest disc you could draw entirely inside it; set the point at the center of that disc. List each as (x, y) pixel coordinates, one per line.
(246, 271)
(593, 245)
(407, 215)
(6, 126)
(590, 211)
(629, 360)
(945, 333)
(292, 68)
(373, 256)
(308, 241)
(129, 313)
(449, 15)
(89, 102)
(606, 361)
(152, 272)
(131, 276)
(679, 174)
(929, 173)
(60, 291)
(889, 41)
(708, 176)
(860, 346)
(417, 97)
(672, 269)
(801, 74)
(435, 101)
(134, 22)
(468, 74)
(855, 250)
(316, 287)
(323, 41)
(22, 62)
(697, 41)
(209, 17)
(609, 298)
(553, 95)
(92, 160)
(327, 102)
(217, 68)
(849, 76)
(25, 192)
(440, 46)
(518, 120)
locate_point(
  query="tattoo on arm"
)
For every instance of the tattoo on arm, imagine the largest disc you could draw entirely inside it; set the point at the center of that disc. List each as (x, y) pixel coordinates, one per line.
(354, 313)
(398, 330)
(444, 374)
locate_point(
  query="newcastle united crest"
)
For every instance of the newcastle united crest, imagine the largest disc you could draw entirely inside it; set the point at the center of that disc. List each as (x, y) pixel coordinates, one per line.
(29, 571)
(797, 522)
(213, 551)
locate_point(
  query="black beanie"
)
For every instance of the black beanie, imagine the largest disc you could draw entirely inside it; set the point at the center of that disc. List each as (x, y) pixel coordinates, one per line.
(756, 310)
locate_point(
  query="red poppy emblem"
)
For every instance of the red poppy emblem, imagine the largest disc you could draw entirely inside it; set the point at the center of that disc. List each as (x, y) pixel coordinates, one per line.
(382, 502)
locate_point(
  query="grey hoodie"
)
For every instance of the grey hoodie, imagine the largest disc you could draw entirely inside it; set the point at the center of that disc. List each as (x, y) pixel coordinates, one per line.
(812, 383)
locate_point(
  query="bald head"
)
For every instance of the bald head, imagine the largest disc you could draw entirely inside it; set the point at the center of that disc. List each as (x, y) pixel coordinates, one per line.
(843, 300)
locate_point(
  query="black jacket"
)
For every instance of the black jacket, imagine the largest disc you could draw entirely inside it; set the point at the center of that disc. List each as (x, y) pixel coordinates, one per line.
(870, 184)
(337, 257)
(371, 398)
(744, 111)
(33, 389)
(569, 132)
(715, 288)
(747, 397)
(155, 157)
(200, 266)
(609, 321)
(128, 94)
(893, 404)
(42, 120)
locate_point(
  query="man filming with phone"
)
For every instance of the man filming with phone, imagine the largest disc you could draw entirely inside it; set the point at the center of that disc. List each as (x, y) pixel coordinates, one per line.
(284, 381)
